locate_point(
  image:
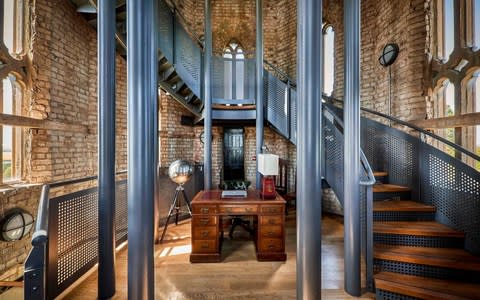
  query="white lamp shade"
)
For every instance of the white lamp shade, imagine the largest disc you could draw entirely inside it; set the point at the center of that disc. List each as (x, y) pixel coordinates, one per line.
(268, 164)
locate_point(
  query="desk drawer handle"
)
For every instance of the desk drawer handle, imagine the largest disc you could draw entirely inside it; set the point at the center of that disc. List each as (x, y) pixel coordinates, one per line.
(248, 209)
(204, 210)
(204, 233)
(205, 246)
(271, 247)
(228, 209)
(273, 210)
(204, 221)
(270, 233)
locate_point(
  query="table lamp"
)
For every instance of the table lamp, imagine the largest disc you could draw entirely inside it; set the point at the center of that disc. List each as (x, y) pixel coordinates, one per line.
(268, 167)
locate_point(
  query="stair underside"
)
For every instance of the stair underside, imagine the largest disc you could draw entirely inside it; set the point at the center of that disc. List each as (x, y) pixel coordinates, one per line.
(401, 205)
(426, 288)
(389, 188)
(439, 257)
(423, 228)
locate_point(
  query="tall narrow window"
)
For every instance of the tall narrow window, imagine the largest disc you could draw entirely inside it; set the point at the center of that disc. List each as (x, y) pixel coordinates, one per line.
(471, 134)
(234, 71)
(14, 27)
(328, 59)
(11, 136)
(444, 106)
(445, 29)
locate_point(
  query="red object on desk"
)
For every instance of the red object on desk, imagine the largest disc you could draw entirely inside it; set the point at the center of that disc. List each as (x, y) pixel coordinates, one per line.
(268, 187)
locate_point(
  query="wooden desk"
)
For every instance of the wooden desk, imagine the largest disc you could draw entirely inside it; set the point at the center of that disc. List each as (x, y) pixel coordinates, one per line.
(269, 223)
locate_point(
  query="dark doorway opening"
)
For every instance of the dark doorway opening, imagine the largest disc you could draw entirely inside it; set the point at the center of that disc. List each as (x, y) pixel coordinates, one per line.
(233, 160)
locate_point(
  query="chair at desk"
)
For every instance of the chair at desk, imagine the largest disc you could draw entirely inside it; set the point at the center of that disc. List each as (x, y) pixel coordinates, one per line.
(237, 220)
(281, 184)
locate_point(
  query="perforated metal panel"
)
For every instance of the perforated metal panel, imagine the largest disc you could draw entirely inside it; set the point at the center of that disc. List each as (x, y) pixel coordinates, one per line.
(418, 241)
(73, 235)
(426, 271)
(217, 83)
(250, 78)
(293, 116)
(387, 295)
(277, 105)
(188, 59)
(454, 189)
(165, 30)
(333, 143)
(121, 212)
(388, 216)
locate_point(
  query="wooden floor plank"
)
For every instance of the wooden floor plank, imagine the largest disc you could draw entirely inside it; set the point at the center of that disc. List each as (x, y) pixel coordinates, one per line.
(439, 257)
(402, 205)
(426, 288)
(420, 228)
(389, 188)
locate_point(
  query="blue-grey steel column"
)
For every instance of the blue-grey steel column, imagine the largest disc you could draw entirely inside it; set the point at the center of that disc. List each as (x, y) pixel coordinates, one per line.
(155, 98)
(106, 148)
(142, 87)
(207, 150)
(259, 86)
(351, 185)
(309, 149)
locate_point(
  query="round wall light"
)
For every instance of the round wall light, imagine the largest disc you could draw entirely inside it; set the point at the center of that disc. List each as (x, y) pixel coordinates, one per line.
(389, 54)
(15, 225)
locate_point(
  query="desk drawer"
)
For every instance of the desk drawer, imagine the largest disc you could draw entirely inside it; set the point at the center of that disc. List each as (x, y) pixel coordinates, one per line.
(204, 221)
(272, 209)
(205, 233)
(204, 209)
(271, 245)
(271, 231)
(271, 220)
(204, 246)
(237, 209)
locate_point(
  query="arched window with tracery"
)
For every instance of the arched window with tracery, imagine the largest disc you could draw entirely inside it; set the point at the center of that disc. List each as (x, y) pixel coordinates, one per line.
(234, 71)
(328, 59)
(472, 17)
(12, 99)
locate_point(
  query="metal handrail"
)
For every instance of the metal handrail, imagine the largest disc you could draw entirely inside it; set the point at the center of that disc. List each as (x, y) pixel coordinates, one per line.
(79, 180)
(363, 159)
(39, 236)
(414, 127)
(292, 81)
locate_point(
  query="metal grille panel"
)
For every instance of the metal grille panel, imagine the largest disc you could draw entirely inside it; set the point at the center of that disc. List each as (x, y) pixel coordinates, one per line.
(402, 216)
(121, 212)
(277, 107)
(418, 241)
(425, 271)
(293, 116)
(165, 30)
(188, 59)
(387, 295)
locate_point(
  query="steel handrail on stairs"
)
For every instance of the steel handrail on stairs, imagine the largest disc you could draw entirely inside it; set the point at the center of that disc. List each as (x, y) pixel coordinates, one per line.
(36, 264)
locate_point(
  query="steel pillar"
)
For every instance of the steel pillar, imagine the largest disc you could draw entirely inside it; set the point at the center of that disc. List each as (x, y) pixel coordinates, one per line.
(309, 149)
(142, 91)
(207, 154)
(106, 149)
(259, 86)
(351, 186)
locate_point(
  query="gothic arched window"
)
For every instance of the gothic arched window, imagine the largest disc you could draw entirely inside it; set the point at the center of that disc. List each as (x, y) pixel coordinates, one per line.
(328, 59)
(234, 71)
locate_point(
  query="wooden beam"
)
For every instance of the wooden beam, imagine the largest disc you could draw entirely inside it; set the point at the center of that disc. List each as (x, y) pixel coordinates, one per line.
(471, 119)
(11, 283)
(11, 120)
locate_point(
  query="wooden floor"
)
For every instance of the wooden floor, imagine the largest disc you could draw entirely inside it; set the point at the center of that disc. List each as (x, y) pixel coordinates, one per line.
(239, 276)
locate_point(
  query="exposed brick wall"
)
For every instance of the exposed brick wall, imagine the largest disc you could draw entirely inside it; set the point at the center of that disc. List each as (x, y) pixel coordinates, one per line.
(63, 89)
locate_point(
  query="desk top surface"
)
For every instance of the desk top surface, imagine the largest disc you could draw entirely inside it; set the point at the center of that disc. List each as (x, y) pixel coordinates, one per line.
(215, 197)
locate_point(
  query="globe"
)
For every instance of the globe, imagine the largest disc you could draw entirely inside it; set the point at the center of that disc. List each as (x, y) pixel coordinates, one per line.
(180, 171)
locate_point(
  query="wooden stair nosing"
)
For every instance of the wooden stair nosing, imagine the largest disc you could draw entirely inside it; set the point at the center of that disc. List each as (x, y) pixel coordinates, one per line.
(401, 206)
(390, 188)
(438, 257)
(426, 288)
(380, 174)
(416, 228)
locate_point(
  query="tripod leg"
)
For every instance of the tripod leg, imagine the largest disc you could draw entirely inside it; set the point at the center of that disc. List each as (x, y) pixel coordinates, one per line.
(170, 211)
(187, 202)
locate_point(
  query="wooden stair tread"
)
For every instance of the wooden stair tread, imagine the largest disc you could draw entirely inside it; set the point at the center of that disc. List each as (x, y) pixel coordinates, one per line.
(389, 188)
(426, 288)
(439, 257)
(380, 174)
(401, 205)
(420, 228)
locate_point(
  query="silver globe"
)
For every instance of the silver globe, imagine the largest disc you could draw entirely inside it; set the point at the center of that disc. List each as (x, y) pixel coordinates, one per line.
(180, 171)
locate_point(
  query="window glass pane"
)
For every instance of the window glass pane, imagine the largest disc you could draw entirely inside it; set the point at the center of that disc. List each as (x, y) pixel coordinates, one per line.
(329, 60)
(240, 79)
(476, 24)
(449, 99)
(448, 28)
(227, 79)
(7, 146)
(7, 96)
(13, 21)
